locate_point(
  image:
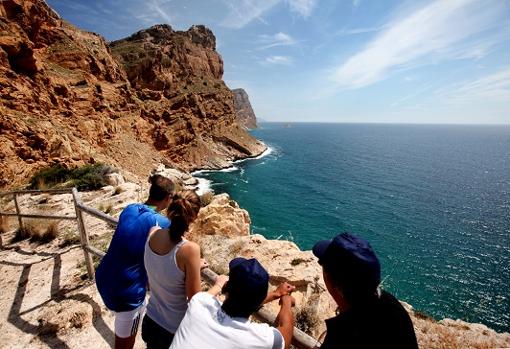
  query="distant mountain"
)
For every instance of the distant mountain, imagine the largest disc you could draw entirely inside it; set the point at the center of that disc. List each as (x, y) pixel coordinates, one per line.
(244, 112)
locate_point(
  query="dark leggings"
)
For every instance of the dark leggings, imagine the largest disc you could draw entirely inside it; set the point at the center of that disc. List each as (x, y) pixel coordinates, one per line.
(155, 336)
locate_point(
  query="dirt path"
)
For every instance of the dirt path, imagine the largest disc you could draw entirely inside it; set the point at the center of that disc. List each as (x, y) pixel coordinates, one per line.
(46, 300)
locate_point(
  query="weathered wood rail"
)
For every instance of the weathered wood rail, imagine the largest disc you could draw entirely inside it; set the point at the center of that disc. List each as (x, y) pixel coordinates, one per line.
(300, 339)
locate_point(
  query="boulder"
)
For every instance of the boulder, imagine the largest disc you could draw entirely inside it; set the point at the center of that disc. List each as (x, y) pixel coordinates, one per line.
(222, 216)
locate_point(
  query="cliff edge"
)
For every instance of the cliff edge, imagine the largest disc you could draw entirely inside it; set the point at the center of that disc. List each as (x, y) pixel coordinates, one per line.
(244, 112)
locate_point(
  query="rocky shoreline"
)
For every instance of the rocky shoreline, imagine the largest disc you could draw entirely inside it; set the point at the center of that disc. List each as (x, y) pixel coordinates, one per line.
(222, 230)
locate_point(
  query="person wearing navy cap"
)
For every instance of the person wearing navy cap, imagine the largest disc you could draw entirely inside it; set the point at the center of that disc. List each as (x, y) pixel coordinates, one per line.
(368, 317)
(210, 324)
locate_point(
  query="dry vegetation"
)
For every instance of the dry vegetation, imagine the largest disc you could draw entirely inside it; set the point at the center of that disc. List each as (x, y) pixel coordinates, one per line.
(206, 198)
(3, 225)
(118, 190)
(37, 230)
(69, 237)
(306, 318)
(106, 207)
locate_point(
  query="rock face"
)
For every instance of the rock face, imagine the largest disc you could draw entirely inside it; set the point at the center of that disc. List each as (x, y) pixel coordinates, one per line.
(68, 97)
(222, 216)
(244, 112)
(284, 261)
(178, 74)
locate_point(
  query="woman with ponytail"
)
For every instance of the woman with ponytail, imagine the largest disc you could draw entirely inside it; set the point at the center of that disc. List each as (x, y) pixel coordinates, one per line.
(173, 267)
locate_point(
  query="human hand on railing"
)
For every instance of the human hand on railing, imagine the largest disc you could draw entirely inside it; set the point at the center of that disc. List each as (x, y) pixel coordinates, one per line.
(203, 264)
(287, 300)
(284, 289)
(221, 280)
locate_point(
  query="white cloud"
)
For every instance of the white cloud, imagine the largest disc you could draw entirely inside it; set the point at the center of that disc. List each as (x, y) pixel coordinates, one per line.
(242, 12)
(156, 6)
(278, 39)
(354, 31)
(150, 12)
(282, 60)
(302, 7)
(439, 30)
(493, 87)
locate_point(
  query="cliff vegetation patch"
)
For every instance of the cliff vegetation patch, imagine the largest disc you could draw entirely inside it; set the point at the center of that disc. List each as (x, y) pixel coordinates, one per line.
(88, 177)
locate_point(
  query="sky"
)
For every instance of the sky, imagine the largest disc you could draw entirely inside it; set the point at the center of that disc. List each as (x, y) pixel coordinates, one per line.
(434, 61)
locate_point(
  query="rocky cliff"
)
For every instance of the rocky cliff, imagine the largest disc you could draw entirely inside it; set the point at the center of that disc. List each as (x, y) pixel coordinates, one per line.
(244, 112)
(224, 239)
(66, 96)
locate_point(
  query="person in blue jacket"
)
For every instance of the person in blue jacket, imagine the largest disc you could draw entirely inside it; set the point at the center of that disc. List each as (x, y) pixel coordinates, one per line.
(121, 277)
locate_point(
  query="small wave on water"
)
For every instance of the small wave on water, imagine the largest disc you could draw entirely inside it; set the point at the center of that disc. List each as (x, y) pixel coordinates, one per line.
(204, 186)
(265, 153)
(228, 169)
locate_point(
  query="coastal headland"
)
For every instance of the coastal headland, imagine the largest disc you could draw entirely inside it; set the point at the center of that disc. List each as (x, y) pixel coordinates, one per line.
(155, 98)
(69, 97)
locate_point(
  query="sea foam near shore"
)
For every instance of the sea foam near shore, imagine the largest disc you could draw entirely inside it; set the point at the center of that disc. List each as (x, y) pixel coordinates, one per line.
(205, 185)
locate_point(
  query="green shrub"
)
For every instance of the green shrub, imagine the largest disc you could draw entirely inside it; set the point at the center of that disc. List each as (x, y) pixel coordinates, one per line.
(88, 177)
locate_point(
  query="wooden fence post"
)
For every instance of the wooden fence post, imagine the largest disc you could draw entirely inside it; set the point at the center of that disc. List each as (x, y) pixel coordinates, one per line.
(84, 238)
(18, 212)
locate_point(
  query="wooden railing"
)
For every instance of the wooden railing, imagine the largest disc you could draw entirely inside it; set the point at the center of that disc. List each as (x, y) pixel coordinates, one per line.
(300, 339)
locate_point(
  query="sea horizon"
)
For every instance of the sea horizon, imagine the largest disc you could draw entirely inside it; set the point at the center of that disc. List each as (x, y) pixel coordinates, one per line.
(382, 123)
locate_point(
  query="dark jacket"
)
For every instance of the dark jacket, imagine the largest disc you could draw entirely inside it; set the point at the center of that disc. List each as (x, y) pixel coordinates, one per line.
(381, 322)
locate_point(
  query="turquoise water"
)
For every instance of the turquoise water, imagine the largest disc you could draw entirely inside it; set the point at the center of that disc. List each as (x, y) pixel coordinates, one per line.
(434, 201)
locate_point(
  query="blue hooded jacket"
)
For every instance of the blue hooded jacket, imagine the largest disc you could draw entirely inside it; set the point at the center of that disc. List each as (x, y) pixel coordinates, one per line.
(121, 277)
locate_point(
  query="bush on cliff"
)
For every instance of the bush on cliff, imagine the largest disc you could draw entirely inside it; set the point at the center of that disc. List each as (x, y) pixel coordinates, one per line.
(88, 177)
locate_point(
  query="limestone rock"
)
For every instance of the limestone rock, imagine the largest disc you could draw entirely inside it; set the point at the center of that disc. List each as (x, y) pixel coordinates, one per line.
(223, 217)
(67, 96)
(284, 261)
(60, 317)
(244, 112)
(114, 179)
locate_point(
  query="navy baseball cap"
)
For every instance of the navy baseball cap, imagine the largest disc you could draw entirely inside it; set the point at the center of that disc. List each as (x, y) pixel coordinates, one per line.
(248, 277)
(350, 258)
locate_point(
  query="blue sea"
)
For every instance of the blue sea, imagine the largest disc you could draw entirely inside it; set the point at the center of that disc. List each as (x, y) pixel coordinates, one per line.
(434, 201)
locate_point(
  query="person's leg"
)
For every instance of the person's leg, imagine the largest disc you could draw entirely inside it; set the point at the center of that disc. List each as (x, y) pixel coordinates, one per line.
(155, 336)
(126, 327)
(125, 343)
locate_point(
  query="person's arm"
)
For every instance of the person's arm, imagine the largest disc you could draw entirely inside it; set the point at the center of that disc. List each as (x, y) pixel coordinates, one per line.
(215, 290)
(285, 320)
(283, 289)
(191, 255)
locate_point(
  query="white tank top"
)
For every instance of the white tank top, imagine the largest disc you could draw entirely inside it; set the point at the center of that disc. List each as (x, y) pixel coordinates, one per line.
(167, 303)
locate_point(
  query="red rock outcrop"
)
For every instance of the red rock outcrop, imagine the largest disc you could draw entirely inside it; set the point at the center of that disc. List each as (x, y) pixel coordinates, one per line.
(64, 97)
(244, 112)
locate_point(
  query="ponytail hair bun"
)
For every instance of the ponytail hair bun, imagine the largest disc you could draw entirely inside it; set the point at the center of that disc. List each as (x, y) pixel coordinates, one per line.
(182, 211)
